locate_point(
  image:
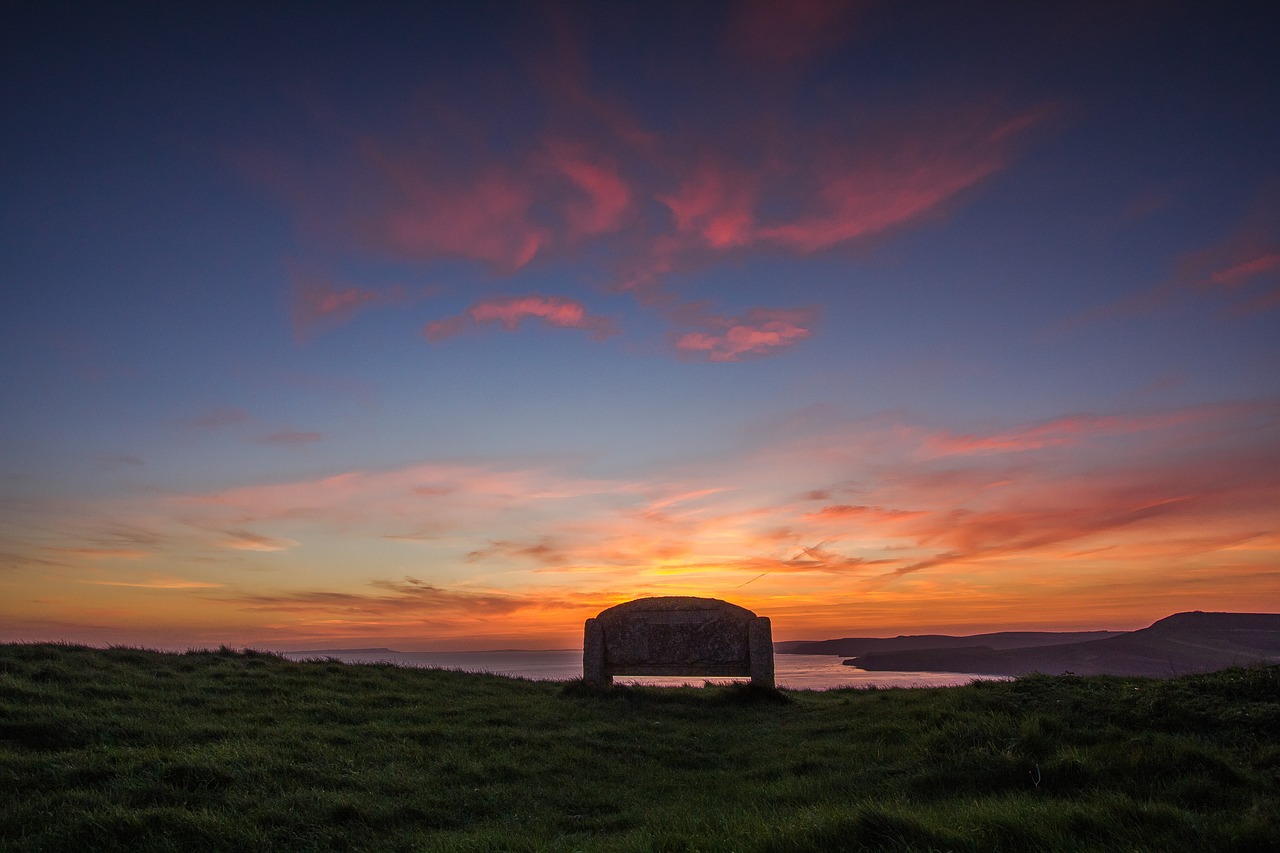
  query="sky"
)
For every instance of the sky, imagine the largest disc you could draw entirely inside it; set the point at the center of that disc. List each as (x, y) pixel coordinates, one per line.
(447, 326)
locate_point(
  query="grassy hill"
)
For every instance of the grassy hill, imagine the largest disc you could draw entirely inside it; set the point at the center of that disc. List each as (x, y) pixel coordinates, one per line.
(135, 750)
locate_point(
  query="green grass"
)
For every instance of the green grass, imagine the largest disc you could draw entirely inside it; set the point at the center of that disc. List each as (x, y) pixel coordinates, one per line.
(129, 749)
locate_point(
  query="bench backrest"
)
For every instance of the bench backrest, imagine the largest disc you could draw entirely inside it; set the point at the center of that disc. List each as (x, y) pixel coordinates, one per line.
(678, 635)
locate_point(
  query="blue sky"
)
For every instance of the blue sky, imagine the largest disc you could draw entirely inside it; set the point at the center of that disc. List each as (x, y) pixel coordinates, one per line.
(451, 327)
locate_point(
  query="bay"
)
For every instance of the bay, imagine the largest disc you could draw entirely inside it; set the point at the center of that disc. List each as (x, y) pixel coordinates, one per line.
(793, 672)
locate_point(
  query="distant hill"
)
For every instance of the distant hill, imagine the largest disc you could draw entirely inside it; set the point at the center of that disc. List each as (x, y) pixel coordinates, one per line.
(1178, 644)
(854, 646)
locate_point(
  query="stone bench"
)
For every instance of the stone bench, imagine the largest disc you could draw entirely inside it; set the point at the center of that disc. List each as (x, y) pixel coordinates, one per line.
(677, 635)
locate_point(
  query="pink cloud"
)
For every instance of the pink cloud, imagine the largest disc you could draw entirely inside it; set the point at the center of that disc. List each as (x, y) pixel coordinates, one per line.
(1236, 275)
(1069, 429)
(592, 174)
(510, 311)
(803, 191)
(862, 512)
(809, 193)
(323, 302)
(1050, 516)
(760, 332)
(488, 220)
(1075, 429)
(505, 214)
(714, 208)
(409, 196)
(319, 304)
(864, 189)
(1243, 269)
(601, 197)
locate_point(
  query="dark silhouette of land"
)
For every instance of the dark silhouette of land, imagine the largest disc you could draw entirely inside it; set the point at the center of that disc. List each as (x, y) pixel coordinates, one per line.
(1176, 645)
(856, 646)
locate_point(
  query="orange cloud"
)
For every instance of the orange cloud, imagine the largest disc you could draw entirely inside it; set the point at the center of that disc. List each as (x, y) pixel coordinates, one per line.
(246, 540)
(409, 595)
(102, 553)
(543, 552)
(871, 513)
(158, 583)
(823, 521)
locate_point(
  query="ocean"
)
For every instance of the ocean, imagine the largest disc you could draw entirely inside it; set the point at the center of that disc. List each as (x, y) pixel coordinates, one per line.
(794, 672)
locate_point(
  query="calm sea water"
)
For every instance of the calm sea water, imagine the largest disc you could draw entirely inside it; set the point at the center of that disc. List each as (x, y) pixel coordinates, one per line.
(795, 672)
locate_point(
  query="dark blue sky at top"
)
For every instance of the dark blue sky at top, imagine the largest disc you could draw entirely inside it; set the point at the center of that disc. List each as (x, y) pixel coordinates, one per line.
(130, 221)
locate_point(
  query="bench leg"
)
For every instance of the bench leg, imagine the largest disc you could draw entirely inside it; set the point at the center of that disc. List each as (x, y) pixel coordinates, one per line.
(760, 649)
(593, 655)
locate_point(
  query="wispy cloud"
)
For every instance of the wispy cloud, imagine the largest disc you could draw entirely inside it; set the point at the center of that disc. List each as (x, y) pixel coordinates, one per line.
(247, 540)
(637, 205)
(509, 312)
(102, 553)
(158, 583)
(409, 596)
(850, 511)
(600, 197)
(1241, 271)
(318, 304)
(488, 219)
(861, 512)
(817, 190)
(1244, 268)
(1071, 429)
(760, 332)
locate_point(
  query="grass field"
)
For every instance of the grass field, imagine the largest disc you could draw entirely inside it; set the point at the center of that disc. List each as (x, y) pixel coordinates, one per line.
(138, 750)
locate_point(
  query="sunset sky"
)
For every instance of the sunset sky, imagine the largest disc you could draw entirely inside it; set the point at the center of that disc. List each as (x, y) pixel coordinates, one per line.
(449, 325)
